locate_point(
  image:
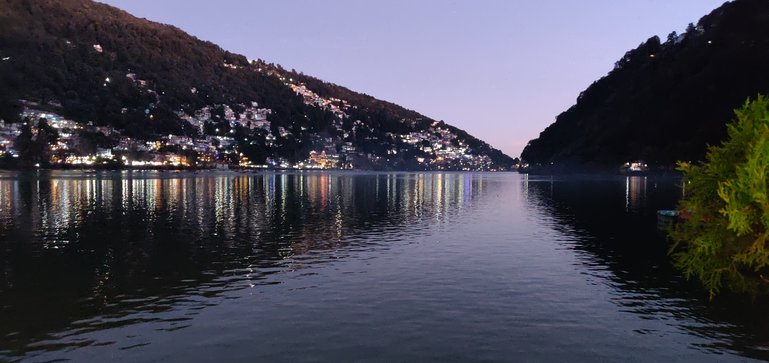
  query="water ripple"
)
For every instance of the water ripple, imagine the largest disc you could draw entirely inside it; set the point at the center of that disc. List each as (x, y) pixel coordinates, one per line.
(341, 266)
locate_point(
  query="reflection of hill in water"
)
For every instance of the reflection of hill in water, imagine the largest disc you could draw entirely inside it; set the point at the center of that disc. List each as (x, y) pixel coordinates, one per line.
(612, 224)
(613, 218)
(106, 245)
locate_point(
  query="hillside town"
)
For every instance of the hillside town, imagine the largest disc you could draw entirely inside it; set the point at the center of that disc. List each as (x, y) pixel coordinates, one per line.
(85, 145)
(302, 128)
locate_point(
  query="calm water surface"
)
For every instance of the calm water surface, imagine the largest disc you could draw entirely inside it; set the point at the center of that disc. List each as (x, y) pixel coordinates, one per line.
(164, 266)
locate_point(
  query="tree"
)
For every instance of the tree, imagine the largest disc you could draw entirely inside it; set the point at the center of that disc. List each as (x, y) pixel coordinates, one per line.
(724, 239)
(691, 29)
(24, 144)
(46, 136)
(672, 38)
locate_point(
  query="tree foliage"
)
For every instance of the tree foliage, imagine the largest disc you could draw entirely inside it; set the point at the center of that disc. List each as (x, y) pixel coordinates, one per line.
(34, 147)
(665, 101)
(723, 240)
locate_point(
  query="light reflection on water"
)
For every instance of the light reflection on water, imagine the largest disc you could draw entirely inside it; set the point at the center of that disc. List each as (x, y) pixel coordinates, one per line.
(338, 266)
(629, 253)
(108, 243)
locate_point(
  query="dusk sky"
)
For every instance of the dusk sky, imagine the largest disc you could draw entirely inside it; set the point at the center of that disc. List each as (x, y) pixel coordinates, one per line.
(502, 70)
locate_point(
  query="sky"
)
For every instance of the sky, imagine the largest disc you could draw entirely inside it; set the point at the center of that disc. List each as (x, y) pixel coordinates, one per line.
(501, 70)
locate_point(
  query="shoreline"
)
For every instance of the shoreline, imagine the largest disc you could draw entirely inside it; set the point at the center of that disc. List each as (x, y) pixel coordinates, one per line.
(531, 172)
(239, 170)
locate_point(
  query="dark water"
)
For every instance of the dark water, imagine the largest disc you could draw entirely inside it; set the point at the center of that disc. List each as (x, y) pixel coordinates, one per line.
(162, 266)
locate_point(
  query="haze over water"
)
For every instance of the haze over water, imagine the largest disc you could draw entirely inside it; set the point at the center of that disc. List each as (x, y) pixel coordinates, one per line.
(148, 266)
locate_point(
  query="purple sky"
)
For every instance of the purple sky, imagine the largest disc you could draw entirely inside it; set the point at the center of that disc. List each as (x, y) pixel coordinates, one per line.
(502, 70)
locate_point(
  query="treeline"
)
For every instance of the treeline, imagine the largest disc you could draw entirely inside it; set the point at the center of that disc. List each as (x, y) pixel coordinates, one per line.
(665, 100)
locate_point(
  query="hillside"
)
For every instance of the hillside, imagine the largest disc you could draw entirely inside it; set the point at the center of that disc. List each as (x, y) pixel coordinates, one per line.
(97, 65)
(665, 100)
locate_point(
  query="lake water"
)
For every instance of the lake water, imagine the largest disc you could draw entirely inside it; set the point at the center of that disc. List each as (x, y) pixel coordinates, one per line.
(339, 267)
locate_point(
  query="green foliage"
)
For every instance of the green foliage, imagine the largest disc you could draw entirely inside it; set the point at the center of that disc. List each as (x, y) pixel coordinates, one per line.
(723, 240)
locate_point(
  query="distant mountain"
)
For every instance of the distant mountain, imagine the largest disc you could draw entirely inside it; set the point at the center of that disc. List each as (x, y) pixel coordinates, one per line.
(93, 63)
(665, 100)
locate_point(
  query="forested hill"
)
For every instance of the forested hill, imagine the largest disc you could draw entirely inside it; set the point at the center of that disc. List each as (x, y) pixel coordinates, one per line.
(667, 99)
(93, 63)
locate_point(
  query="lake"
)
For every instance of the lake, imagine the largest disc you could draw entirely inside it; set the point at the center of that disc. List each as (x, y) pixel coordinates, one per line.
(380, 267)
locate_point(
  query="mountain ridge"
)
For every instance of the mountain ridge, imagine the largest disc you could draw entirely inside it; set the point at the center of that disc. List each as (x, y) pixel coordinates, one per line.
(665, 100)
(99, 64)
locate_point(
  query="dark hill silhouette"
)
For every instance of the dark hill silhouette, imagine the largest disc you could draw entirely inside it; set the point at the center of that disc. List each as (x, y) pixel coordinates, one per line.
(665, 100)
